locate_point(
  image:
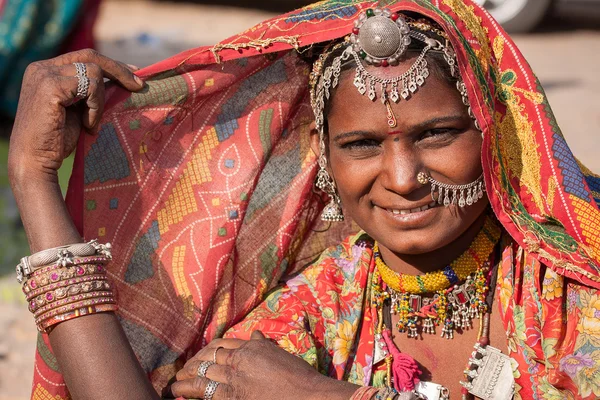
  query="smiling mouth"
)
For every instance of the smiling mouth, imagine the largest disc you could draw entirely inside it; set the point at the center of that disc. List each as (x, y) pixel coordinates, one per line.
(413, 210)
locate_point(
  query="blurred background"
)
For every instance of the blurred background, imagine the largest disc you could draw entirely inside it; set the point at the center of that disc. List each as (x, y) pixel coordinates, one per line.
(560, 38)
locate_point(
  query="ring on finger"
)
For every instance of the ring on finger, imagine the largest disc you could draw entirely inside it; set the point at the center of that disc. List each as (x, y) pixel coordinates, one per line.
(215, 353)
(203, 367)
(83, 83)
(211, 389)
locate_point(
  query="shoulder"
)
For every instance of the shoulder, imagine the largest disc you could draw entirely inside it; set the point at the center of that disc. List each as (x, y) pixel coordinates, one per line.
(345, 261)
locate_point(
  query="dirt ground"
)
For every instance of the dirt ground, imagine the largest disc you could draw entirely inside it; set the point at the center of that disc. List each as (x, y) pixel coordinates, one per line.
(142, 32)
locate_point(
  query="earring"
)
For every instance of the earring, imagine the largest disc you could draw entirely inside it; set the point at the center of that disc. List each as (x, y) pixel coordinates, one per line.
(332, 211)
(462, 195)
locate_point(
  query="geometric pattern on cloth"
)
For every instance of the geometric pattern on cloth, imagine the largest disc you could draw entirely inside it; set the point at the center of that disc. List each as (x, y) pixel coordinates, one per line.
(151, 352)
(589, 219)
(275, 177)
(106, 159)
(594, 185)
(40, 393)
(140, 267)
(171, 90)
(332, 10)
(182, 201)
(234, 107)
(573, 178)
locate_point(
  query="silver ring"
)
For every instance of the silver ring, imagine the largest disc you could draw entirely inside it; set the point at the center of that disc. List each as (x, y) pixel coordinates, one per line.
(211, 389)
(83, 84)
(215, 354)
(203, 367)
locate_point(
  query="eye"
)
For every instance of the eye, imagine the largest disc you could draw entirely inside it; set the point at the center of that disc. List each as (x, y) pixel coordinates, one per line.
(439, 133)
(360, 144)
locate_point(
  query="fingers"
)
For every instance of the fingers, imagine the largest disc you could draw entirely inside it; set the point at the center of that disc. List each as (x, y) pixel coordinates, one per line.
(190, 369)
(197, 388)
(111, 69)
(208, 352)
(95, 100)
(216, 372)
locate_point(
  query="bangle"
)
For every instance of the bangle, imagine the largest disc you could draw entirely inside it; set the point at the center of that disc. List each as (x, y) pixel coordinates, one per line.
(61, 284)
(63, 255)
(45, 326)
(49, 298)
(73, 307)
(61, 274)
(69, 300)
(364, 393)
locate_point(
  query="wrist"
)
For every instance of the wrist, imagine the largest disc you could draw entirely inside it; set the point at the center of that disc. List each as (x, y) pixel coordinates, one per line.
(328, 388)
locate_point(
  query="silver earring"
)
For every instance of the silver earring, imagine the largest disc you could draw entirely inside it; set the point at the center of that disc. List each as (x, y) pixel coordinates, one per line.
(461, 195)
(333, 210)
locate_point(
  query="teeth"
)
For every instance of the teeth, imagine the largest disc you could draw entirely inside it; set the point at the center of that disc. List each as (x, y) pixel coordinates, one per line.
(414, 210)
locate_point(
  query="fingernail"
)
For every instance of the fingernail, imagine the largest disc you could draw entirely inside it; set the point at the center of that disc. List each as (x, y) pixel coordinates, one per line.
(138, 80)
(133, 67)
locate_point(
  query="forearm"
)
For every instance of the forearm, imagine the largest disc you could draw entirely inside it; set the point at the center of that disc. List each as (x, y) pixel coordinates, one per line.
(95, 357)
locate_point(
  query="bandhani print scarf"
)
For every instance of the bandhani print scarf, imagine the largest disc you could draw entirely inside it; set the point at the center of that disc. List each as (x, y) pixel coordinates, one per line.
(203, 183)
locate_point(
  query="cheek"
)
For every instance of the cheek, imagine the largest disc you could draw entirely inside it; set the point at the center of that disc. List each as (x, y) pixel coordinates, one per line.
(353, 177)
(460, 162)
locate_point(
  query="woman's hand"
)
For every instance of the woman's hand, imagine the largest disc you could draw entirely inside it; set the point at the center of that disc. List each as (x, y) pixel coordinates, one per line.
(48, 122)
(255, 369)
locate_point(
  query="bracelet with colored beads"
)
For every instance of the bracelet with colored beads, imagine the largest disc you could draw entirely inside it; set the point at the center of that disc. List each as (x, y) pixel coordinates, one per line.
(71, 299)
(60, 293)
(72, 307)
(62, 284)
(49, 298)
(63, 273)
(45, 326)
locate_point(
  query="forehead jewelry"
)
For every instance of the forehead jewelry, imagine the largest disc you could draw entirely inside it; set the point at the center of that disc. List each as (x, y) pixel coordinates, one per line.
(461, 195)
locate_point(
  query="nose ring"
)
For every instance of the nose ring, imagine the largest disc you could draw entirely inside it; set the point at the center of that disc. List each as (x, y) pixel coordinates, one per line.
(423, 178)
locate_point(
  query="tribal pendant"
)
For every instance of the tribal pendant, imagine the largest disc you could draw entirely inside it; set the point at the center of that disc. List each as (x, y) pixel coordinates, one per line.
(489, 374)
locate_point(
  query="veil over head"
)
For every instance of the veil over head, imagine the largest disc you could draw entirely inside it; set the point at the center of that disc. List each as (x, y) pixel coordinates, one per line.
(203, 181)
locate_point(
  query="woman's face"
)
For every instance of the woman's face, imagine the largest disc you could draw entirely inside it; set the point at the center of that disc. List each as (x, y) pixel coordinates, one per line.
(375, 167)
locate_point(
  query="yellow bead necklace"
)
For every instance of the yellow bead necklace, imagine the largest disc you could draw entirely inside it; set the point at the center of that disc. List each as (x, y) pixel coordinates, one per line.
(457, 271)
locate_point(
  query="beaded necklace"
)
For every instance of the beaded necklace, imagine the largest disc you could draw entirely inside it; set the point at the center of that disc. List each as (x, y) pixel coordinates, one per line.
(453, 305)
(449, 305)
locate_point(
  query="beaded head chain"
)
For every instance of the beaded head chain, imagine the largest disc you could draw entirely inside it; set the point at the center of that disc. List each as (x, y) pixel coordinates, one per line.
(381, 38)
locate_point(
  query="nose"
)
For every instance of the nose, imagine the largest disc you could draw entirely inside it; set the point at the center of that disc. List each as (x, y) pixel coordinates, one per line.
(399, 169)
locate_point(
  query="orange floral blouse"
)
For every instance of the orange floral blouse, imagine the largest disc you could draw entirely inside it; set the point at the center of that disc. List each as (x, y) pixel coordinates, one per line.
(325, 316)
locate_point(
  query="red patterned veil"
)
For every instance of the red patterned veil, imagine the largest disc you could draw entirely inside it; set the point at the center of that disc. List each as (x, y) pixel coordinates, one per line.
(203, 182)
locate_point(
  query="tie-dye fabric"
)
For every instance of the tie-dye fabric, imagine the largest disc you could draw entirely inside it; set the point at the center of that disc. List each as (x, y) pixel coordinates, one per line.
(203, 181)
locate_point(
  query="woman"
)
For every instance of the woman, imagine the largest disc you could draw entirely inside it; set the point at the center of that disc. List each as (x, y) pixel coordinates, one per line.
(250, 157)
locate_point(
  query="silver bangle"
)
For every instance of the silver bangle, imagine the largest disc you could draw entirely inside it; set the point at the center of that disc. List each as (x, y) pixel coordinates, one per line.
(64, 255)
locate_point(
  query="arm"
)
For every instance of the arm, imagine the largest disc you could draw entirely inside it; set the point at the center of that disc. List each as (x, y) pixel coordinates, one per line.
(95, 357)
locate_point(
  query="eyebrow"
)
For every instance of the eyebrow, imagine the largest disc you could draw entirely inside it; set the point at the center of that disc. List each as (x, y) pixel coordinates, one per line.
(419, 126)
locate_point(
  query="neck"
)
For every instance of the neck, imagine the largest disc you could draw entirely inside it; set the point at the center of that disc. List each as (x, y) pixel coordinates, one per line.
(417, 264)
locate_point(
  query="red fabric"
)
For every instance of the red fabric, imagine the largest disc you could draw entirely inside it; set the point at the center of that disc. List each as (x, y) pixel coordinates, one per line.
(203, 182)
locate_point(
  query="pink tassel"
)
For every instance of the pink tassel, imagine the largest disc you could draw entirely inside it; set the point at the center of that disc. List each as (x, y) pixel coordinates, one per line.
(405, 369)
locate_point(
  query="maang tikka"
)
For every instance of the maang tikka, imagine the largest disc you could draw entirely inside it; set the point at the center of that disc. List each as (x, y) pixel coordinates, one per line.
(379, 38)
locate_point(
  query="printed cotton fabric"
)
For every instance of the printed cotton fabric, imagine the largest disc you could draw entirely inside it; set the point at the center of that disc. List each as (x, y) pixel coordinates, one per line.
(327, 316)
(203, 182)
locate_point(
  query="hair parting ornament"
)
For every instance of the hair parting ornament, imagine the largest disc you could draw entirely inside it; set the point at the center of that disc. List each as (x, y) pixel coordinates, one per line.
(381, 38)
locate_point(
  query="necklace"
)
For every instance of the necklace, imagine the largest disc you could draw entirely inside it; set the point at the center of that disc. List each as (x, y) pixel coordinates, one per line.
(453, 305)
(488, 374)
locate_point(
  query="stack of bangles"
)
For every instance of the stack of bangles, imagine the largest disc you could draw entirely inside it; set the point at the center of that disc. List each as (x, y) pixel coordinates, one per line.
(66, 282)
